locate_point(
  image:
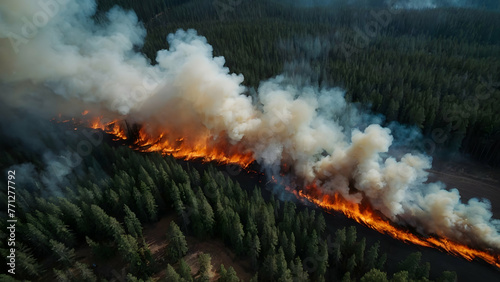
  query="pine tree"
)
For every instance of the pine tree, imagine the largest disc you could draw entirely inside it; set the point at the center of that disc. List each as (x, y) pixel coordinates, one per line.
(291, 250)
(320, 224)
(286, 276)
(128, 247)
(83, 272)
(374, 275)
(176, 200)
(222, 273)
(38, 240)
(205, 262)
(351, 263)
(176, 242)
(283, 240)
(423, 271)
(298, 271)
(206, 220)
(185, 271)
(346, 277)
(372, 255)
(281, 265)
(269, 267)
(401, 276)
(288, 216)
(254, 251)
(322, 260)
(26, 262)
(237, 234)
(228, 275)
(351, 238)
(72, 215)
(62, 253)
(381, 262)
(411, 264)
(132, 223)
(171, 275)
(312, 249)
(339, 244)
(148, 202)
(360, 251)
(447, 276)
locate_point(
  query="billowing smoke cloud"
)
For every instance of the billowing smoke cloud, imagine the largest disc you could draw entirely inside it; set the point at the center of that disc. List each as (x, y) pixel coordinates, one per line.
(70, 63)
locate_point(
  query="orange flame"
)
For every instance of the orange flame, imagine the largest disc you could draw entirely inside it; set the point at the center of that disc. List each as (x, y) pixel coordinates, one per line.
(204, 148)
(366, 216)
(207, 149)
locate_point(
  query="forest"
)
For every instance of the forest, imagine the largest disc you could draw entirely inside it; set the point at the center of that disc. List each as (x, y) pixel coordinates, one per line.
(115, 192)
(436, 70)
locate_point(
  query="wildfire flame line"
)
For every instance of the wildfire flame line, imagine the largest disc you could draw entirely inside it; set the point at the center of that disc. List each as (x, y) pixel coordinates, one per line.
(223, 152)
(204, 148)
(365, 215)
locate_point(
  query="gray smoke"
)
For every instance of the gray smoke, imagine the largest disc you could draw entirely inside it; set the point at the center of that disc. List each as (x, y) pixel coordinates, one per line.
(399, 4)
(69, 63)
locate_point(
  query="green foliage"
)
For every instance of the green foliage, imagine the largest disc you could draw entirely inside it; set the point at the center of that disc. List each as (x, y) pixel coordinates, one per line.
(346, 277)
(381, 262)
(269, 268)
(171, 274)
(83, 272)
(411, 264)
(374, 275)
(350, 238)
(132, 223)
(176, 243)
(185, 271)
(254, 251)
(205, 262)
(447, 276)
(100, 250)
(339, 244)
(228, 275)
(372, 255)
(26, 262)
(351, 263)
(401, 276)
(298, 272)
(62, 253)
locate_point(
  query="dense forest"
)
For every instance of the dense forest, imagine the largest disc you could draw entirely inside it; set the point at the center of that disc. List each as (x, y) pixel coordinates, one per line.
(435, 69)
(107, 199)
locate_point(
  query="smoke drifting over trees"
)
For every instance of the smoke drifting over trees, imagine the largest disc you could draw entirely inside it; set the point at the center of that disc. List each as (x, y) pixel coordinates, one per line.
(400, 4)
(69, 63)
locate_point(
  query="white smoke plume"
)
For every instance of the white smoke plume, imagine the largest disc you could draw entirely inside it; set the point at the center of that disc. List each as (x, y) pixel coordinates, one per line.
(64, 62)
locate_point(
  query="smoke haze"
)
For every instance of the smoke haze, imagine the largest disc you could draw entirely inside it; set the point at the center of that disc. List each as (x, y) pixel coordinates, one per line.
(71, 63)
(399, 4)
